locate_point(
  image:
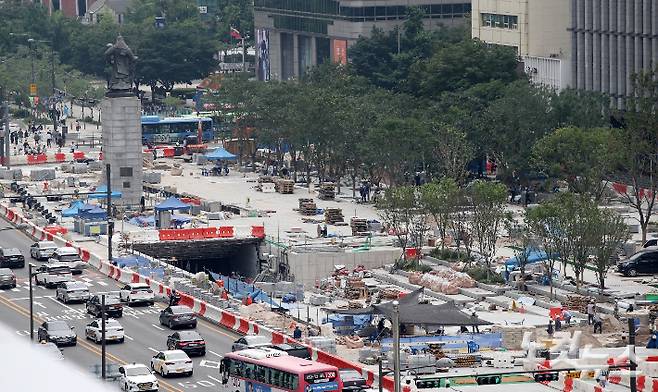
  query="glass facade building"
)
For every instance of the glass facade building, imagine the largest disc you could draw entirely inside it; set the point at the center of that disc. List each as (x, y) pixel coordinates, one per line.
(303, 33)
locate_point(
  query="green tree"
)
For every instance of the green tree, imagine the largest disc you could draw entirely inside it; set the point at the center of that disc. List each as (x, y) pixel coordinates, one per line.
(461, 66)
(441, 200)
(399, 210)
(634, 148)
(489, 216)
(611, 233)
(578, 156)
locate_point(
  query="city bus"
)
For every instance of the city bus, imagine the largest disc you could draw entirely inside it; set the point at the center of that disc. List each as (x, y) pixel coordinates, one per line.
(270, 370)
(172, 130)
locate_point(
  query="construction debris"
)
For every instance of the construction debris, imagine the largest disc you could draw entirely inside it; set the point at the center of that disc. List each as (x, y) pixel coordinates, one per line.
(578, 303)
(359, 226)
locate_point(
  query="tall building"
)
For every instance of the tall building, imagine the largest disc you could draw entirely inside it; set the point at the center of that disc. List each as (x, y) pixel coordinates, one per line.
(70, 8)
(538, 29)
(593, 45)
(613, 39)
(292, 36)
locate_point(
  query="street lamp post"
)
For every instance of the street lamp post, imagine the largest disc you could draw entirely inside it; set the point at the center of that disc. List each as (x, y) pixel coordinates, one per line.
(30, 275)
(103, 352)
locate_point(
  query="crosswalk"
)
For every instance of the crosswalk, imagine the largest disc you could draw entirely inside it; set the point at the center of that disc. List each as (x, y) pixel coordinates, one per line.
(25, 286)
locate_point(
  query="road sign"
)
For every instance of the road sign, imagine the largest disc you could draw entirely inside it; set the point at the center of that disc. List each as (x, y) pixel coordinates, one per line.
(33, 89)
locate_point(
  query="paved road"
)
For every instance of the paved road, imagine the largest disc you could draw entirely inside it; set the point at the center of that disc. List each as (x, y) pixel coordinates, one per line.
(144, 335)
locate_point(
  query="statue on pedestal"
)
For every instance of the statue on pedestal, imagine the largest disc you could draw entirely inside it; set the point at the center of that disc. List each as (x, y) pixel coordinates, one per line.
(122, 60)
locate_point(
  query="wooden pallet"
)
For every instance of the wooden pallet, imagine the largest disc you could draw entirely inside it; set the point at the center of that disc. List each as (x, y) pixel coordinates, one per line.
(359, 226)
(327, 191)
(333, 215)
(285, 186)
(307, 207)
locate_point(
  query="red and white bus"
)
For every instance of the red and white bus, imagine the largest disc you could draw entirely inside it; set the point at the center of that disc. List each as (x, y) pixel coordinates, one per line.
(269, 370)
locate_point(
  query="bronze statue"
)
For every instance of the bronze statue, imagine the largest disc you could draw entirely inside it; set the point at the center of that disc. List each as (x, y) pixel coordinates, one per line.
(122, 60)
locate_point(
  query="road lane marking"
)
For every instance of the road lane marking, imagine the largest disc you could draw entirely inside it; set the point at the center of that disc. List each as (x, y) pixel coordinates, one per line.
(212, 352)
(214, 379)
(152, 349)
(87, 280)
(128, 337)
(158, 327)
(64, 305)
(15, 290)
(102, 283)
(82, 343)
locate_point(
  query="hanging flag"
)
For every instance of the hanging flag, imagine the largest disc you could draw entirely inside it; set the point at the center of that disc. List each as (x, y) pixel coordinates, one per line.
(235, 33)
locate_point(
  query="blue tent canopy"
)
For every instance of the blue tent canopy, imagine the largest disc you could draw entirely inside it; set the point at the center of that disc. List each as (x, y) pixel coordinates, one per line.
(79, 208)
(101, 193)
(94, 213)
(171, 204)
(142, 221)
(220, 154)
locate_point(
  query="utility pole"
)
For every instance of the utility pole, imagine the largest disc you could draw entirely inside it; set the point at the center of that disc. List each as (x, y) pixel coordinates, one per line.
(631, 353)
(244, 57)
(396, 345)
(110, 223)
(29, 268)
(103, 352)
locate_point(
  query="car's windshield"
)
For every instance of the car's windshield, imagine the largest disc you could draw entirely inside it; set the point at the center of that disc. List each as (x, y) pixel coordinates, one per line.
(110, 300)
(58, 326)
(11, 252)
(177, 356)
(67, 258)
(59, 270)
(76, 286)
(189, 335)
(5, 271)
(47, 245)
(138, 371)
(180, 310)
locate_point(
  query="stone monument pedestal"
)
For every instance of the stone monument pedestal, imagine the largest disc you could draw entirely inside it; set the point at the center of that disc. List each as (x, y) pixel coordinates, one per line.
(122, 147)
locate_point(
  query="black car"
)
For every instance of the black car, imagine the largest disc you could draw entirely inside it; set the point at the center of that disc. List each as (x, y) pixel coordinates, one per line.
(294, 350)
(58, 332)
(352, 380)
(189, 341)
(113, 306)
(7, 278)
(175, 316)
(11, 258)
(643, 262)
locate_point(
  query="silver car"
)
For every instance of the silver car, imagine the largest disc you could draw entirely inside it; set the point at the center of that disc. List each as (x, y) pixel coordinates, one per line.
(7, 278)
(42, 250)
(250, 341)
(72, 291)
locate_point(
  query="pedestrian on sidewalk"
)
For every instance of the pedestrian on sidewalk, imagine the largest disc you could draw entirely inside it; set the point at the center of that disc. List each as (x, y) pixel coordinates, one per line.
(297, 333)
(590, 312)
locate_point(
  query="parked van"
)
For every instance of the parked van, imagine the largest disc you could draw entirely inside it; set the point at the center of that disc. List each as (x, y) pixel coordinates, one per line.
(643, 262)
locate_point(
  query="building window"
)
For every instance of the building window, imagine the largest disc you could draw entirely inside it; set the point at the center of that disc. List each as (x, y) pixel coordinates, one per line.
(509, 22)
(126, 184)
(126, 172)
(56, 5)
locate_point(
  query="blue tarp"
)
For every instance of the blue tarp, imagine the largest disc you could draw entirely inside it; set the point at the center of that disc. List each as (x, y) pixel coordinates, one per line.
(461, 341)
(101, 193)
(142, 221)
(533, 256)
(239, 289)
(180, 218)
(219, 154)
(94, 213)
(171, 204)
(131, 261)
(344, 324)
(73, 209)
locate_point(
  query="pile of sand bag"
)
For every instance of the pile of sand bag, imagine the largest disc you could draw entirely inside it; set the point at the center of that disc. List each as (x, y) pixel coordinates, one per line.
(443, 280)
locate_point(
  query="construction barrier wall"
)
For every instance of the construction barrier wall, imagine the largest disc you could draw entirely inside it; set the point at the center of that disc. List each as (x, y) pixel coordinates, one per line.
(40, 159)
(214, 314)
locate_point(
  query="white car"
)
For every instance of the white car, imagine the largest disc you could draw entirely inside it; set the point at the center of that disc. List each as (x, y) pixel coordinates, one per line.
(113, 331)
(68, 256)
(50, 275)
(172, 362)
(137, 293)
(42, 250)
(137, 377)
(72, 291)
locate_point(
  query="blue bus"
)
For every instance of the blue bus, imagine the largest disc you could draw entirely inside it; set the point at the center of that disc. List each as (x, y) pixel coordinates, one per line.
(172, 130)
